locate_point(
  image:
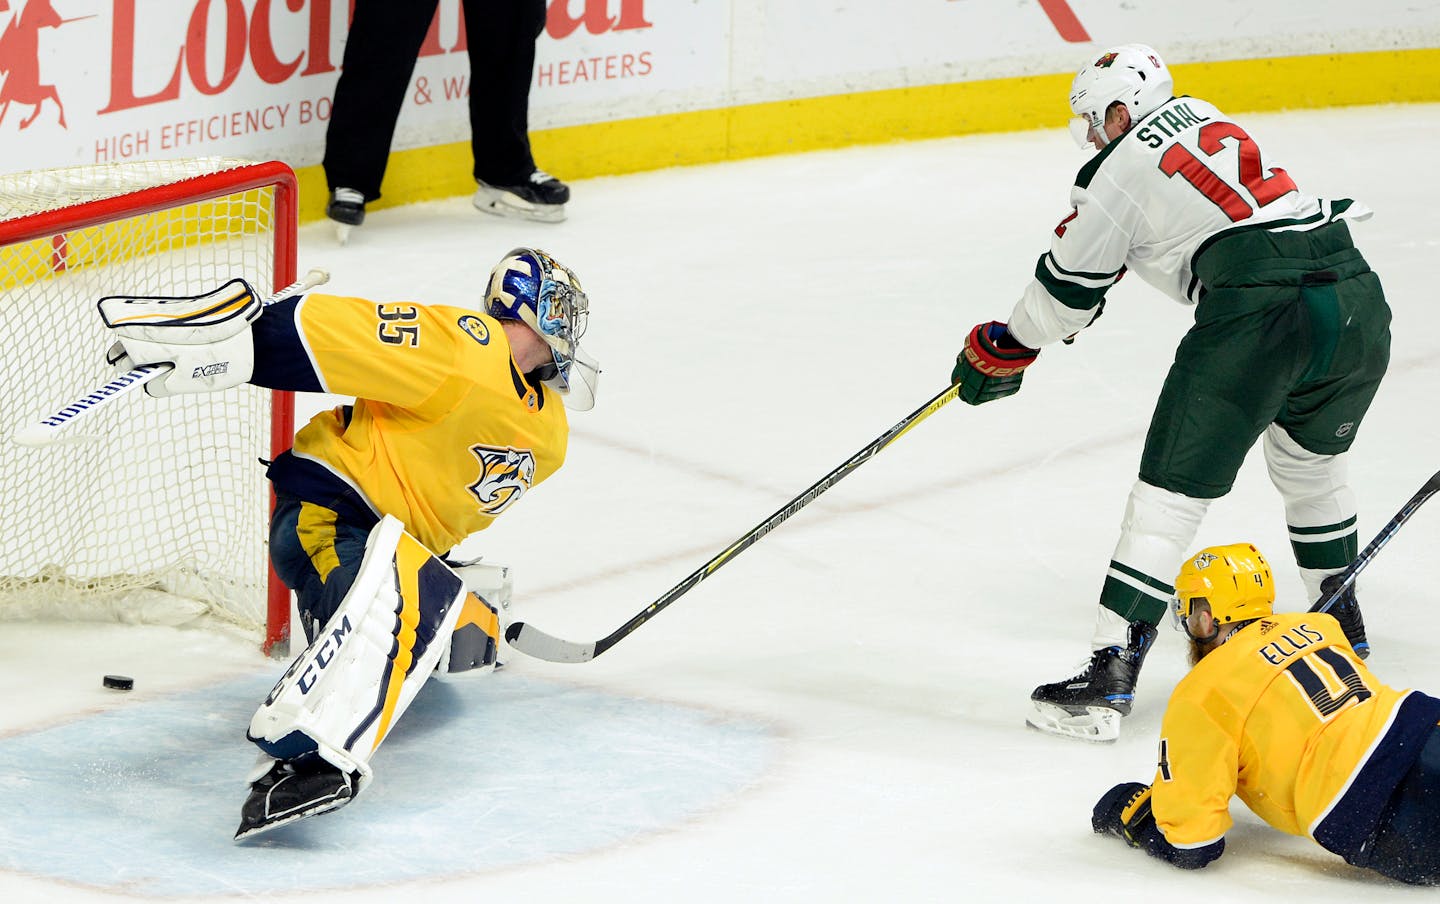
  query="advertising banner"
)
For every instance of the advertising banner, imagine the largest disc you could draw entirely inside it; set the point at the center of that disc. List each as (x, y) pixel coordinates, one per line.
(93, 81)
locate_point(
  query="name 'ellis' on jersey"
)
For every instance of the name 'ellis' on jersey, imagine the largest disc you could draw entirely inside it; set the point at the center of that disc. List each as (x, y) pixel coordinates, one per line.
(1286, 717)
(444, 433)
(1152, 199)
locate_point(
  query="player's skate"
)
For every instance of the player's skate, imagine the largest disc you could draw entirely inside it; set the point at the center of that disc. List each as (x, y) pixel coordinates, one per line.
(347, 210)
(1347, 612)
(542, 198)
(1089, 706)
(291, 790)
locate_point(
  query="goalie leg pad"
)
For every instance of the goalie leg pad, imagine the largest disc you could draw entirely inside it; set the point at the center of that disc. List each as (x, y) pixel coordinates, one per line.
(205, 338)
(341, 697)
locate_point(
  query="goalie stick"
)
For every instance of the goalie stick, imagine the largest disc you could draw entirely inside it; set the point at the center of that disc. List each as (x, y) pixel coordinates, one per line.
(51, 430)
(534, 642)
(1430, 488)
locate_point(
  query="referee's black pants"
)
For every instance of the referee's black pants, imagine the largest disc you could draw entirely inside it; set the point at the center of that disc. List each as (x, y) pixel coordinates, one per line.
(380, 52)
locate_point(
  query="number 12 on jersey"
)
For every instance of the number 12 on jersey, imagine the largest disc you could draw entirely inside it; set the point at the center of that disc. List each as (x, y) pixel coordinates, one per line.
(1263, 187)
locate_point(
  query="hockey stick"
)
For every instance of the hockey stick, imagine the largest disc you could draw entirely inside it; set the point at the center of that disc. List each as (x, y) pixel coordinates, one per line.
(1430, 488)
(51, 430)
(534, 642)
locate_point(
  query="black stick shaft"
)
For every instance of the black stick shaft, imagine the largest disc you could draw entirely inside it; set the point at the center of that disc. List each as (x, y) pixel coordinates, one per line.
(779, 517)
(1430, 488)
(755, 533)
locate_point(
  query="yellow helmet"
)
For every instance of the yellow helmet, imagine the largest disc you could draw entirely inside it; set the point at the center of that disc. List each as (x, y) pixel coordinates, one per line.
(1234, 580)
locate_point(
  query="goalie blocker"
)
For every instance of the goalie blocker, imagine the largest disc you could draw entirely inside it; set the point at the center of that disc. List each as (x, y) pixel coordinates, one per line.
(405, 616)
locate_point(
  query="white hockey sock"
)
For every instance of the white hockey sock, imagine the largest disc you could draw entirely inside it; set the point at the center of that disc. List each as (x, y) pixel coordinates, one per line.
(1320, 508)
(1155, 536)
(1111, 629)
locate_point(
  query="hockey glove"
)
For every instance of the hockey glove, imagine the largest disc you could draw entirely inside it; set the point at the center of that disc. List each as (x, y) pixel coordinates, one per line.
(206, 338)
(1124, 811)
(991, 365)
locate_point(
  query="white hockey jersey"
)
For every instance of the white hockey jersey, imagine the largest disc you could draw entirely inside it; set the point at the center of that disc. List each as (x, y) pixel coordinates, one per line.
(1148, 201)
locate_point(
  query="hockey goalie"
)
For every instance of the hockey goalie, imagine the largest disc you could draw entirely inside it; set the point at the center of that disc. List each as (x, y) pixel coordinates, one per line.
(457, 414)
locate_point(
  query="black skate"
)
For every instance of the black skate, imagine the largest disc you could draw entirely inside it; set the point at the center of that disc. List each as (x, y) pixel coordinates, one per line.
(542, 197)
(347, 209)
(1347, 612)
(293, 790)
(1089, 706)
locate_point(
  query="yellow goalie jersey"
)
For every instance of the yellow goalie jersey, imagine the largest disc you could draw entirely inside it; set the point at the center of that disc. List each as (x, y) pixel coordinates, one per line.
(1285, 716)
(445, 433)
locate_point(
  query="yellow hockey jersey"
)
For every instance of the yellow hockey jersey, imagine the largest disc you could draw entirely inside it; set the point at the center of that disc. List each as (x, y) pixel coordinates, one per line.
(1285, 716)
(445, 433)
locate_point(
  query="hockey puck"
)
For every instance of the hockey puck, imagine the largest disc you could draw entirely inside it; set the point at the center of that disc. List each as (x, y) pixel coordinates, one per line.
(118, 682)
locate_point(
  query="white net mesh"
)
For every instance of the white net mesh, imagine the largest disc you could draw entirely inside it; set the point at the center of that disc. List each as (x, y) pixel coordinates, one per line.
(162, 516)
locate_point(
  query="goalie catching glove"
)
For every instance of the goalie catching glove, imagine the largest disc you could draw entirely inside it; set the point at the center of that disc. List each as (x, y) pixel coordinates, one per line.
(991, 365)
(205, 339)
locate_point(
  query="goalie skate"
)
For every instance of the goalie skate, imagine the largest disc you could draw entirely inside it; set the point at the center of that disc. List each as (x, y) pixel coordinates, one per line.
(291, 790)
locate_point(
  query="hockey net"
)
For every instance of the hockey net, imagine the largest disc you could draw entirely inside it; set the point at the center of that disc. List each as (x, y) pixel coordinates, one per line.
(160, 514)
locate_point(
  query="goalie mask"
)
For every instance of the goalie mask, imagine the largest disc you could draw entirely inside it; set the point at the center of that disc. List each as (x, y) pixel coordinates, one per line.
(534, 288)
(1132, 74)
(1233, 580)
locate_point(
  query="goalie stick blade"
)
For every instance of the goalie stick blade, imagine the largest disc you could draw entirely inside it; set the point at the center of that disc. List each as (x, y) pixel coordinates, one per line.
(52, 430)
(37, 435)
(536, 643)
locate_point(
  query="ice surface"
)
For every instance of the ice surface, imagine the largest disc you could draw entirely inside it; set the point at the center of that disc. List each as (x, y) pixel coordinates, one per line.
(854, 683)
(142, 798)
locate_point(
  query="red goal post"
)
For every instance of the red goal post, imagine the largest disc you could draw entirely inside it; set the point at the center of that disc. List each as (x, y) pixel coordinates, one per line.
(162, 514)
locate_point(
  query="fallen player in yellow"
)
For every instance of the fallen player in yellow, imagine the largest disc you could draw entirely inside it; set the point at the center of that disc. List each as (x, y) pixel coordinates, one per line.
(1279, 711)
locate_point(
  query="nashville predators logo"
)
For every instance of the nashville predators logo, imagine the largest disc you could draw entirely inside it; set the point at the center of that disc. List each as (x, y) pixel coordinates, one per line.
(476, 328)
(505, 475)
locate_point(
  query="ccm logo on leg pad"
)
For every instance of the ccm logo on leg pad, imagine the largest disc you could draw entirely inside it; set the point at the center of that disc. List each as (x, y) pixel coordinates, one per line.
(323, 655)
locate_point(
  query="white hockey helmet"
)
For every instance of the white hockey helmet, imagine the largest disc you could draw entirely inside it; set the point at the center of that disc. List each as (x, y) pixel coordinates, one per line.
(532, 287)
(1132, 74)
